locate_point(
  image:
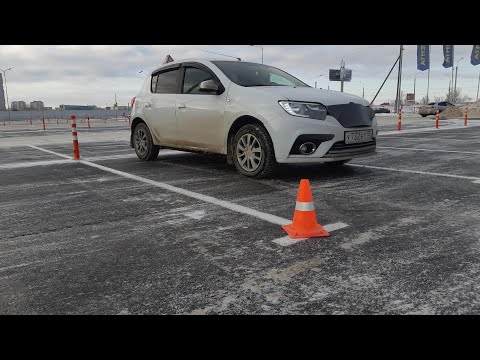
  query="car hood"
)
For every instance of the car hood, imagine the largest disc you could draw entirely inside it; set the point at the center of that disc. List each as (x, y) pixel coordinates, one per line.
(324, 97)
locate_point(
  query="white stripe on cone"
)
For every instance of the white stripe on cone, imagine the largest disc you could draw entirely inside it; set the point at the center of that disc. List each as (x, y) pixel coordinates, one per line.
(304, 206)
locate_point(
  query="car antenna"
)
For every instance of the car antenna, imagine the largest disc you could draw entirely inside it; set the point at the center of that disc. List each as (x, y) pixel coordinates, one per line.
(223, 55)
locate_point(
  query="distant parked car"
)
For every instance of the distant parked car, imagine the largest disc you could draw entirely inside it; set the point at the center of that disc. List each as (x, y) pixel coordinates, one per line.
(431, 108)
(381, 110)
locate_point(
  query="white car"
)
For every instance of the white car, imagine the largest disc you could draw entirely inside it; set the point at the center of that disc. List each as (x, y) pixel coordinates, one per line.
(255, 114)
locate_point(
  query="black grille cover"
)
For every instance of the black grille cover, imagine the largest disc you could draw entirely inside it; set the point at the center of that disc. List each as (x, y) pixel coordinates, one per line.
(352, 115)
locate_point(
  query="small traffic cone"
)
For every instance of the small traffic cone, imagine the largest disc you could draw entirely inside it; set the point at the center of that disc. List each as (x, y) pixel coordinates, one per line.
(304, 219)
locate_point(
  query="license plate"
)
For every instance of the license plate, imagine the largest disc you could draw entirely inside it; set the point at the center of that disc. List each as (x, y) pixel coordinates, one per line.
(360, 136)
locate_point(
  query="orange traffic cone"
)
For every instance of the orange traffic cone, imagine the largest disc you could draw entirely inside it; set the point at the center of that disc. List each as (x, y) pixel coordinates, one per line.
(304, 219)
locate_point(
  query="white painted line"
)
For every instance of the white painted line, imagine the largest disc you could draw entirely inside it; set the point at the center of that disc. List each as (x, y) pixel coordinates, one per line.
(110, 157)
(416, 149)
(132, 155)
(226, 204)
(14, 266)
(287, 240)
(50, 152)
(418, 172)
(34, 163)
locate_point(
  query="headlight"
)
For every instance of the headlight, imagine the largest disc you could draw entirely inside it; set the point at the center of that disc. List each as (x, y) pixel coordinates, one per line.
(303, 109)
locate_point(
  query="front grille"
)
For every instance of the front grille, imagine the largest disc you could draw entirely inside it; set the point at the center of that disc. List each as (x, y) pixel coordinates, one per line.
(352, 115)
(340, 149)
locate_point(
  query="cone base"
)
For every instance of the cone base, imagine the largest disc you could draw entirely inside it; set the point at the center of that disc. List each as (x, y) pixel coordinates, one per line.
(316, 231)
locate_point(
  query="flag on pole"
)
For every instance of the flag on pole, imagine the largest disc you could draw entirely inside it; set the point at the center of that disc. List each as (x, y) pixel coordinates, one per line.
(447, 56)
(423, 57)
(475, 58)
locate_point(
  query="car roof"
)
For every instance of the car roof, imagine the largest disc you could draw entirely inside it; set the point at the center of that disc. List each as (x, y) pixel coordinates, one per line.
(205, 61)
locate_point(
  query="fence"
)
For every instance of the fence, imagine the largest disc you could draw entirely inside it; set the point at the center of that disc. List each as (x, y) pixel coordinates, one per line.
(62, 114)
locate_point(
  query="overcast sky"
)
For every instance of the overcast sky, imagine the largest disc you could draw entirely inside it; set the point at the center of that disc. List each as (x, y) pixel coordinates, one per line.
(92, 74)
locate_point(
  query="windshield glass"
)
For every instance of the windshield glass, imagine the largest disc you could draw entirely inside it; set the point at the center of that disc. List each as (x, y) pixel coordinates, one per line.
(252, 74)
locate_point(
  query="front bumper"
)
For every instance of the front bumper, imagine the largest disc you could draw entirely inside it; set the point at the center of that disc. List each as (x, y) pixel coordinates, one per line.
(285, 129)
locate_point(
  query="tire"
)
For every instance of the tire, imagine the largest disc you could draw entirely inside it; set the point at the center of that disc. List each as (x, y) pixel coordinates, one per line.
(424, 115)
(337, 163)
(258, 163)
(143, 143)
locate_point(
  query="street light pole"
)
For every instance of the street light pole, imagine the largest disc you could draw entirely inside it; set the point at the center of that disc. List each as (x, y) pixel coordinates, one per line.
(315, 81)
(414, 86)
(478, 86)
(6, 90)
(452, 95)
(428, 79)
(261, 47)
(455, 89)
(399, 81)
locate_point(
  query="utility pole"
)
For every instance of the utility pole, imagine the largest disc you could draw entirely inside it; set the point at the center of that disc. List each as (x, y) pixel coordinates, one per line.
(363, 91)
(399, 80)
(342, 67)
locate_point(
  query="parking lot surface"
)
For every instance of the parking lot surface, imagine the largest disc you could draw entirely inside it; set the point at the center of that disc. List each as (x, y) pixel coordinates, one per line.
(186, 234)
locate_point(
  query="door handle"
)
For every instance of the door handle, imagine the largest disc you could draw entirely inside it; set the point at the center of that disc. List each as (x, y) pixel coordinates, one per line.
(182, 106)
(147, 104)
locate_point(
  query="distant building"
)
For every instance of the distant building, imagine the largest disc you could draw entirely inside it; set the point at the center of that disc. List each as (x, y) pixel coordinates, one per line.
(47, 108)
(78, 107)
(18, 105)
(36, 105)
(2, 95)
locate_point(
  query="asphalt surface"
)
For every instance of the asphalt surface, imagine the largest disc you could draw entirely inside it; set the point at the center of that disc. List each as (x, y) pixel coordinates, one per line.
(78, 239)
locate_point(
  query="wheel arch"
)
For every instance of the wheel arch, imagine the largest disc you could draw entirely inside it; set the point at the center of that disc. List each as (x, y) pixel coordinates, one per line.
(135, 122)
(237, 125)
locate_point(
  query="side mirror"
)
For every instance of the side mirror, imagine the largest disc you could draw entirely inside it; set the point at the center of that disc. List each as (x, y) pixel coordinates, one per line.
(209, 86)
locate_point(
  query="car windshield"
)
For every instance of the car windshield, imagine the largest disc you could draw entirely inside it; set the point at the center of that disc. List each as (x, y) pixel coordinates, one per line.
(252, 74)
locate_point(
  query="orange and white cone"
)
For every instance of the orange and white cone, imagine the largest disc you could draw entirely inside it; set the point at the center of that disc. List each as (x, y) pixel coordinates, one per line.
(304, 219)
(399, 126)
(76, 149)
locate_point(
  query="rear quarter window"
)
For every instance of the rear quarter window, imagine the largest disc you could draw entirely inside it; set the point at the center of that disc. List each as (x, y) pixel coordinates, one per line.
(166, 82)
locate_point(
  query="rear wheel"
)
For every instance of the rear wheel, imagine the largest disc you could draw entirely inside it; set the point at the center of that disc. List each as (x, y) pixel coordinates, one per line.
(253, 153)
(143, 143)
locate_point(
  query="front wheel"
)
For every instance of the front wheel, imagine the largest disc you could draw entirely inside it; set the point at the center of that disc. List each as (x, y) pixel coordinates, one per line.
(143, 143)
(253, 153)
